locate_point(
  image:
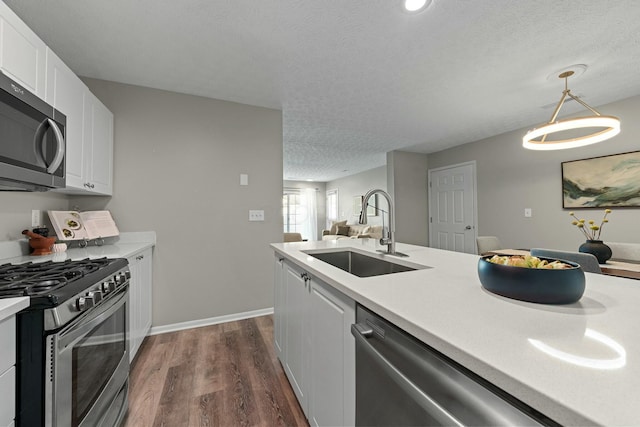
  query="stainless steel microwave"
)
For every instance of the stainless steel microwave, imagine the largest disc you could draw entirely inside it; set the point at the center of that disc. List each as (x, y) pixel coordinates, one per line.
(32, 141)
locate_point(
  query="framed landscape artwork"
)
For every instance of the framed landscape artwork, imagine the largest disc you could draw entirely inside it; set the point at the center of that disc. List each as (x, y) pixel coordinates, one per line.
(371, 209)
(602, 182)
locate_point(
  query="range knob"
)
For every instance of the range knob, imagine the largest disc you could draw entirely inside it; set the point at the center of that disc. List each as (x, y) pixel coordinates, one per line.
(84, 303)
(107, 287)
(127, 274)
(119, 278)
(96, 296)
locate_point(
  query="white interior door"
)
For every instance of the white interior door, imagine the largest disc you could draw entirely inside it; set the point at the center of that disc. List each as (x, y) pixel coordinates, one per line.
(452, 208)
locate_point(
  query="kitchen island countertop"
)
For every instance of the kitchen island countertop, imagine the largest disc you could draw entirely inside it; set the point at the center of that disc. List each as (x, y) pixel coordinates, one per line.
(579, 364)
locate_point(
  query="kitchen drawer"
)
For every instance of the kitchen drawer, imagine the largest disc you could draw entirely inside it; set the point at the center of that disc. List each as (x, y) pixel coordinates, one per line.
(7, 343)
(8, 393)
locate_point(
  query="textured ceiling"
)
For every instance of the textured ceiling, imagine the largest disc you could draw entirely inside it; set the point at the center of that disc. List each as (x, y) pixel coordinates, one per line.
(357, 78)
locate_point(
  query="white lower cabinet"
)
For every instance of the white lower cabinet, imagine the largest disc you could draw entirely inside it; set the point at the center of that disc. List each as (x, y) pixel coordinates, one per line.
(297, 340)
(278, 305)
(312, 323)
(7, 370)
(140, 299)
(333, 373)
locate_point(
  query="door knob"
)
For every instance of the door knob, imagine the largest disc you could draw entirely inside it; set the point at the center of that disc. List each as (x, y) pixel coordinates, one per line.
(468, 227)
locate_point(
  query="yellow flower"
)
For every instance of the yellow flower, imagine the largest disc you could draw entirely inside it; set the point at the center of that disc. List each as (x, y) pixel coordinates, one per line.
(592, 232)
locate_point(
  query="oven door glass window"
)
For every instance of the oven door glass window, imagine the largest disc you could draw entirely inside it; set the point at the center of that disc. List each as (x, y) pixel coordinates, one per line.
(95, 359)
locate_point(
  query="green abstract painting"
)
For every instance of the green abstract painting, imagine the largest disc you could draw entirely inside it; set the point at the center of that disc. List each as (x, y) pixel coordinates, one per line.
(602, 182)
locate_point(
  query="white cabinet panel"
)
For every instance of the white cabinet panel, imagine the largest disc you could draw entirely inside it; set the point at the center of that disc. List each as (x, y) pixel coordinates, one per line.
(66, 93)
(312, 324)
(7, 343)
(279, 318)
(7, 370)
(89, 130)
(22, 53)
(333, 377)
(8, 393)
(140, 299)
(296, 334)
(99, 140)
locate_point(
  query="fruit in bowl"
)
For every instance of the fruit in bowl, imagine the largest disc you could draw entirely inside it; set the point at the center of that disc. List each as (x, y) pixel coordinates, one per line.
(528, 261)
(533, 279)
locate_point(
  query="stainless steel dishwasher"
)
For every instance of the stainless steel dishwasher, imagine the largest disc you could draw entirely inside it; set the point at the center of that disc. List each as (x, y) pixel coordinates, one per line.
(400, 381)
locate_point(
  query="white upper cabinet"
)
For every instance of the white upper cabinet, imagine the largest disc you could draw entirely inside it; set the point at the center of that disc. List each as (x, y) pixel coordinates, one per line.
(22, 53)
(66, 93)
(89, 131)
(98, 136)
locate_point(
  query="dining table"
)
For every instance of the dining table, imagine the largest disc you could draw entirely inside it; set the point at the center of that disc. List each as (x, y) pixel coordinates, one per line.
(626, 268)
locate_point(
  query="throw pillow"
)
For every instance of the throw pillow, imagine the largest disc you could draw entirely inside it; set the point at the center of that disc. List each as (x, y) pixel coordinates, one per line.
(334, 226)
(343, 230)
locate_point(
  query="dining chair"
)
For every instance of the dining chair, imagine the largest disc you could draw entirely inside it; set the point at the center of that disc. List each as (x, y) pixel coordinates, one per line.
(292, 237)
(626, 251)
(588, 262)
(487, 244)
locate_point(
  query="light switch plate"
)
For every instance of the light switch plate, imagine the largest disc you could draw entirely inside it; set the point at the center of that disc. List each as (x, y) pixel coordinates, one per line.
(244, 179)
(527, 212)
(36, 218)
(255, 215)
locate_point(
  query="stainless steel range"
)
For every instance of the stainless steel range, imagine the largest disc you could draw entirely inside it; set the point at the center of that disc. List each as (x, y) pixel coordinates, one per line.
(73, 361)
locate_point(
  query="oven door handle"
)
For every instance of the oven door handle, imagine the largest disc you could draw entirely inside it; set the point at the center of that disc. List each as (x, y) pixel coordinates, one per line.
(79, 329)
(361, 332)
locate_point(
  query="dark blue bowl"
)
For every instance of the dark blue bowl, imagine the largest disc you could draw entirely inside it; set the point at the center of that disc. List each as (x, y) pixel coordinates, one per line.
(539, 285)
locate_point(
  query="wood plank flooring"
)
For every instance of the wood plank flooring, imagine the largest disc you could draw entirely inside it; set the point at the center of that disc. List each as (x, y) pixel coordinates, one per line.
(220, 375)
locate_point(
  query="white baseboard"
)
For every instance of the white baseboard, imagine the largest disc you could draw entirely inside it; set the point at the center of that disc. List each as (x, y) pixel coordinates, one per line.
(209, 321)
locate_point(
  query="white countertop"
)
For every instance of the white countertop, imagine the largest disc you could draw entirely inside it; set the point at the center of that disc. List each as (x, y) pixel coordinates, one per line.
(500, 338)
(10, 306)
(125, 246)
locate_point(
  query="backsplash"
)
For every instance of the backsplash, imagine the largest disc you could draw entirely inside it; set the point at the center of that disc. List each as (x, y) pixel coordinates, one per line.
(15, 210)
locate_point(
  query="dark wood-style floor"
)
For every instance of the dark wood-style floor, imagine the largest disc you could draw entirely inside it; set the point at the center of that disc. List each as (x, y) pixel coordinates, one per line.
(220, 375)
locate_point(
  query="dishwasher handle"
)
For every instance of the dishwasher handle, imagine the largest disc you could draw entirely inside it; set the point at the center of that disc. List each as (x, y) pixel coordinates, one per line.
(412, 390)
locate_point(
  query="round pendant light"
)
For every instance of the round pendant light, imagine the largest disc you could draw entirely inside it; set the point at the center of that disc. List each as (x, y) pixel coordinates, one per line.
(597, 127)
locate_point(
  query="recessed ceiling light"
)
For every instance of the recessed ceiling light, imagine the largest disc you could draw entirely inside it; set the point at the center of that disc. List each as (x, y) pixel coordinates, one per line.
(415, 6)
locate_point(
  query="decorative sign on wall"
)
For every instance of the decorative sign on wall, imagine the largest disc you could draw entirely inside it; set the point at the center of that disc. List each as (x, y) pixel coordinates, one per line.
(602, 182)
(371, 208)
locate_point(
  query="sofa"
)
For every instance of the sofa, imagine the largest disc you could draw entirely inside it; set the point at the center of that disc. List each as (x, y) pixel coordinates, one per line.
(342, 230)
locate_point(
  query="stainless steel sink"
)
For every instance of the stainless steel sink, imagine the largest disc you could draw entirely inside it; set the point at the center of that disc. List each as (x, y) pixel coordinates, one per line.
(363, 265)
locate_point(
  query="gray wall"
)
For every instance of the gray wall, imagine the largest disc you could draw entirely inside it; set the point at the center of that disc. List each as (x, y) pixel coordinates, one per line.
(407, 183)
(321, 200)
(15, 210)
(177, 166)
(357, 185)
(511, 178)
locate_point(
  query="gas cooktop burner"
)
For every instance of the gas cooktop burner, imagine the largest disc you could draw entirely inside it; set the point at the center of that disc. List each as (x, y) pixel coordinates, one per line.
(49, 279)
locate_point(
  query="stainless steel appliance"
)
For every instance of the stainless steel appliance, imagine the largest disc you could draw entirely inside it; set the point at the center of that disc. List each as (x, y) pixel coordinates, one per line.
(73, 344)
(402, 381)
(32, 144)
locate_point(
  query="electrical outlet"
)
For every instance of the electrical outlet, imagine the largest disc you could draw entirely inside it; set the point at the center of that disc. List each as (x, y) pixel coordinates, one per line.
(256, 215)
(527, 212)
(36, 218)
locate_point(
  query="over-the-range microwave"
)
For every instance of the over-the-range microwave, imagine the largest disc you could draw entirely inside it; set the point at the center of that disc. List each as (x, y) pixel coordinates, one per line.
(32, 144)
